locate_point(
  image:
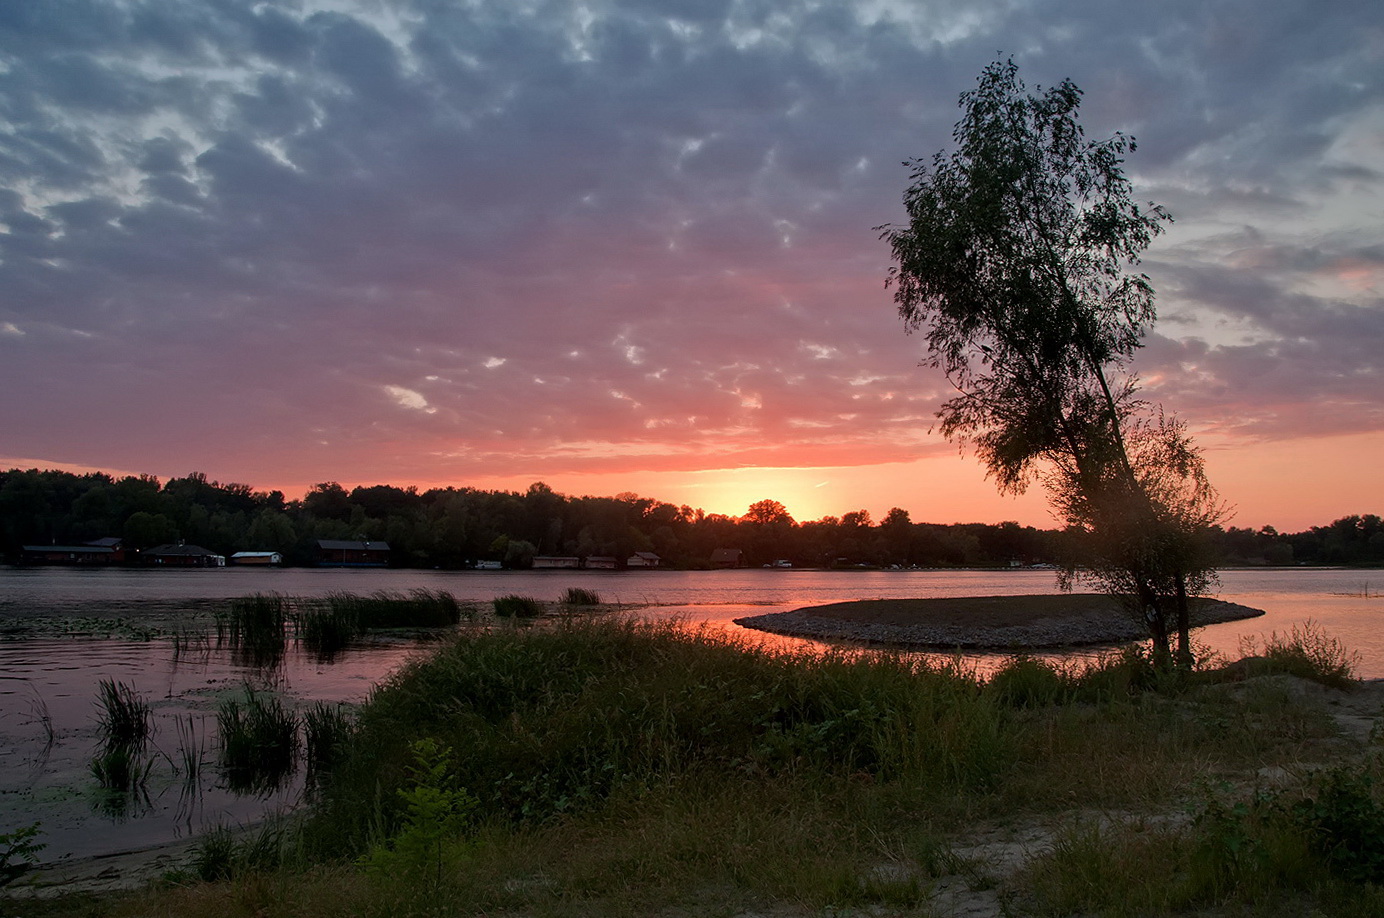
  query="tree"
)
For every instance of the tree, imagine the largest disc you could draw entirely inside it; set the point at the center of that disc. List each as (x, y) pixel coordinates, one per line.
(1017, 259)
(766, 512)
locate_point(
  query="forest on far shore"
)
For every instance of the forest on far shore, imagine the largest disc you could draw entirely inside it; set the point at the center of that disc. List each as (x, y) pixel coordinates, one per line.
(457, 527)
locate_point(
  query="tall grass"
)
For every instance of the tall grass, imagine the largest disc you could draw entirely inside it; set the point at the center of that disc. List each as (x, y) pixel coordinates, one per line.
(554, 721)
(328, 628)
(577, 596)
(120, 766)
(255, 627)
(123, 717)
(258, 742)
(513, 605)
(326, 731)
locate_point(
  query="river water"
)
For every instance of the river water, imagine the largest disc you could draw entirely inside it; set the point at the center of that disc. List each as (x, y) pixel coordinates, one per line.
(64, 630)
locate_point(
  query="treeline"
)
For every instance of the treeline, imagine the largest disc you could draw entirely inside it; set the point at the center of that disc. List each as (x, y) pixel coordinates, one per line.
(456, 527)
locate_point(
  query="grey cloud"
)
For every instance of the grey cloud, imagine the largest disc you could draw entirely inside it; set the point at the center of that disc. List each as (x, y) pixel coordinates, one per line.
(293, 209)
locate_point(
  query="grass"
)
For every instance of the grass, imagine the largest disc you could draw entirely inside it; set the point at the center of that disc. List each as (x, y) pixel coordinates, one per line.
(577, 596)
(255, 627)
(516, 606)
(615, 767)
(124, 716)
(327, 629)
(258, 739)
(327, 729)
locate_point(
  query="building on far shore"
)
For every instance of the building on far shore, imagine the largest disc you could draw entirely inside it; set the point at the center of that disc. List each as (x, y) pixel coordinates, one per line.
(261, 558)
(98, 553)
(727, 558)
(181, 555)
(345, 553)
(556, 562)
(644, 559)
(602, 563)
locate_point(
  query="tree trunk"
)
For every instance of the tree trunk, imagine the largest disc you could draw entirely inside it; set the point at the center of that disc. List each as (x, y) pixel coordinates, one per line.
(1184, 625)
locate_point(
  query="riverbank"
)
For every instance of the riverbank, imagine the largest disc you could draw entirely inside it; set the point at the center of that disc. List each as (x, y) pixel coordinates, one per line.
(980, 622)
(617, 767)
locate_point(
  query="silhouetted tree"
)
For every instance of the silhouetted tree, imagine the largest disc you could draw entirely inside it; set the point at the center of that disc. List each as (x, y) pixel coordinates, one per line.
(1016, 261)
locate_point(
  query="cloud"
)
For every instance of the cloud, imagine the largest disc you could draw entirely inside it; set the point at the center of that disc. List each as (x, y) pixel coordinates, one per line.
(251, 234)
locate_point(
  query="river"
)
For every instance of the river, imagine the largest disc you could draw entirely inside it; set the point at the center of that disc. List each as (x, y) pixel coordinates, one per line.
(64, 630)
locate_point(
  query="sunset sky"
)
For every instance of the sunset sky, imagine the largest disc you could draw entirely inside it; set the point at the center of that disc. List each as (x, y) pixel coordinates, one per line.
(629, 246)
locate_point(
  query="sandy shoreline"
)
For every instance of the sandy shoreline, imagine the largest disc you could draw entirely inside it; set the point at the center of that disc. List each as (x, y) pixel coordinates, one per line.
(981, 622)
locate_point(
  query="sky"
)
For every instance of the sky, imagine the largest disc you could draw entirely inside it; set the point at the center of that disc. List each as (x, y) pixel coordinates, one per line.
(631, 246)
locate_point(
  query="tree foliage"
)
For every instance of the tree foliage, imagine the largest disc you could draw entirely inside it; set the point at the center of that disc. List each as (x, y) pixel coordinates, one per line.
(1018, 261)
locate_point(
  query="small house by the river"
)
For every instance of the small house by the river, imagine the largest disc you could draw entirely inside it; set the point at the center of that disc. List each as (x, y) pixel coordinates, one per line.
(345, 553)
(181, 555)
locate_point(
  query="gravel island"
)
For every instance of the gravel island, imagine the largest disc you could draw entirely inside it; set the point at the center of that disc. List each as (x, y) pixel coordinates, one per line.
(980, 622)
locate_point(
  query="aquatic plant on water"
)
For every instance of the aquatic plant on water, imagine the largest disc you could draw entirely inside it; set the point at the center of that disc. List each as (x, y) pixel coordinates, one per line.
(124, 716)
(577, 596)
(516, 606)
(258, 742)
(255, 627)
(326, 730)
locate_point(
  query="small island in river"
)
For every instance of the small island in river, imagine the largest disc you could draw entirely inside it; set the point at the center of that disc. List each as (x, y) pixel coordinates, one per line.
(980, 622)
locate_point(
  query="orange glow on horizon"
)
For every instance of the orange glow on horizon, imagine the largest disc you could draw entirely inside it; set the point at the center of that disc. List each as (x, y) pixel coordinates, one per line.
(1290, 484)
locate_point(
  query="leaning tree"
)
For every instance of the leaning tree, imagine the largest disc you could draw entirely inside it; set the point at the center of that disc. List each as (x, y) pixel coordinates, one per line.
(1018, 261)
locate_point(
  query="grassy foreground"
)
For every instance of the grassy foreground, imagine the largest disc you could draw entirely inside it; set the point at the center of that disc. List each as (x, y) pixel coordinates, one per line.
(616, 767)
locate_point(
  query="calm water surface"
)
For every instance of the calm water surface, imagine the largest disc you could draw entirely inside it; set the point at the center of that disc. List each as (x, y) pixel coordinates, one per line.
(48, 679)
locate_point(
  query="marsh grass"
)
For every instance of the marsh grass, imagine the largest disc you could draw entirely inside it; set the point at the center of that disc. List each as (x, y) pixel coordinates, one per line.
(1309, 652)
(577, 596)
(619, 767)
(123, 716)
(255, 626)
(327, 628)
(258, 739)
(327, 729)
(513, 605)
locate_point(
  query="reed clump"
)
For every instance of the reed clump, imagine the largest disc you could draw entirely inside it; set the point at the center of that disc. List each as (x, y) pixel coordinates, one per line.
(124, 716)
(255, 626)
(258, 738)
(578, 596)
(327, 729)
(125, 727)
(329, 627)
(513, 605)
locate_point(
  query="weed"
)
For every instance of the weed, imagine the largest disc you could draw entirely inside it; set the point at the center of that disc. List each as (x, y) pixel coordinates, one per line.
(18, 852)
(435, 812)
(1024, 682)
(1308, 652)
(121, 769)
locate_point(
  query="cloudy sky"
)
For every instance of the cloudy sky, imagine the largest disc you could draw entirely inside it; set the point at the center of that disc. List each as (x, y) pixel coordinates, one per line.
(629, 247)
